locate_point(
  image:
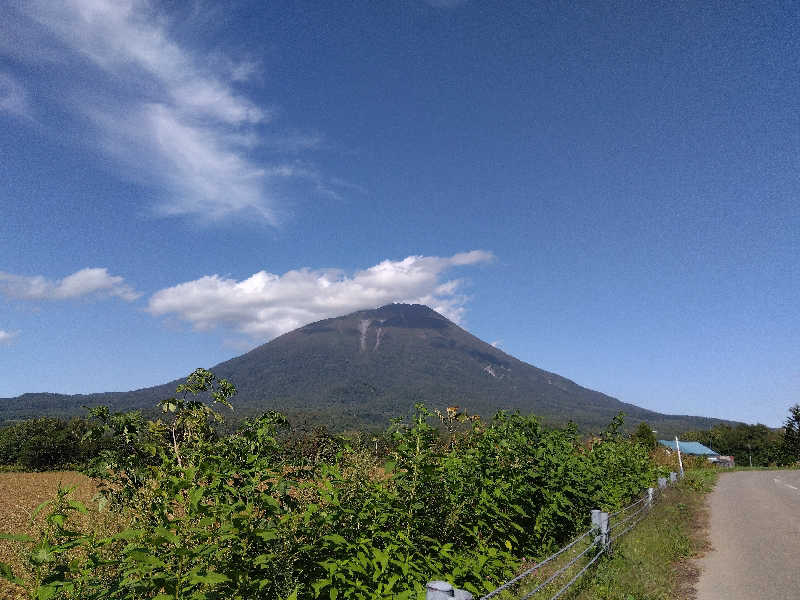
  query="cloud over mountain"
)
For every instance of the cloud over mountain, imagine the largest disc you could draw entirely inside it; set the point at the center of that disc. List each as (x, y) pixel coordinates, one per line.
(266, 305)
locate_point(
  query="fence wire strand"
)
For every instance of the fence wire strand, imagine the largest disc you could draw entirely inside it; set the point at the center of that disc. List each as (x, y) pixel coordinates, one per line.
(538, 565)
(547, 581)
(657, 495)
(578, 574)
(626, 519)
(627, 508)
(626, 530)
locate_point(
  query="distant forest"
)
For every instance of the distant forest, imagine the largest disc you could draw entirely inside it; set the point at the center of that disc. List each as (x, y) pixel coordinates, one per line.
(53, 443)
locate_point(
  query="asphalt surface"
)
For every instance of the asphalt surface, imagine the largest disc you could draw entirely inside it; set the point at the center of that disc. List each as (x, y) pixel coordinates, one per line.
(755, 537)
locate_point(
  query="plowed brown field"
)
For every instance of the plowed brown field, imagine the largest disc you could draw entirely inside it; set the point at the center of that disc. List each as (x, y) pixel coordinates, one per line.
(20, 494)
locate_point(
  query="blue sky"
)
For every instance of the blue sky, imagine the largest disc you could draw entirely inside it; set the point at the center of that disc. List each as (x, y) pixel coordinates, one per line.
(609, 191)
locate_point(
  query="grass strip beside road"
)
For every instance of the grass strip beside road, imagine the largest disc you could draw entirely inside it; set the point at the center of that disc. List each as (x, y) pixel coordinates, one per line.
(653, 560)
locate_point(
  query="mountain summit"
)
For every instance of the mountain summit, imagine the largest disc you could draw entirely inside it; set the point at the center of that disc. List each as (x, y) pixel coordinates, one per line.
(372, 365)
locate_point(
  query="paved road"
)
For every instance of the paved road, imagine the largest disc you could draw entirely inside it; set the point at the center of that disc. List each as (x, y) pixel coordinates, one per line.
(755, 535)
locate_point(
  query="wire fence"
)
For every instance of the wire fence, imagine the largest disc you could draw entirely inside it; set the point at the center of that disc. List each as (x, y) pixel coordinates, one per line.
(573, 560)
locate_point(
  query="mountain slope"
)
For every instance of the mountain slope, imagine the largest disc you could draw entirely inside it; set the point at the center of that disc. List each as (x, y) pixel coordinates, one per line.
(369, 366)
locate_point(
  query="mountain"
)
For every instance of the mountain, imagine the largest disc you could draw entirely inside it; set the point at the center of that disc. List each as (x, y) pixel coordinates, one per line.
(364, 368)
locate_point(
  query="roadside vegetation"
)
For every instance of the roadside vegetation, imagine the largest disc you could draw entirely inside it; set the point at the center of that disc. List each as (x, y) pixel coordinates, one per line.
(653, 561)
(757, 443)
(267, 513)
(183, 511)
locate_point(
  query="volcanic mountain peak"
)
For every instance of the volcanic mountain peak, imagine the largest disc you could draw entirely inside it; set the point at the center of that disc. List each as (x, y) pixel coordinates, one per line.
(364, 368)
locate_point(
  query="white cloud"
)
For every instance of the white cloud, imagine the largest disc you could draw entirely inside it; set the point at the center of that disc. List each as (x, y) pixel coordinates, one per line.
(6, 337)
(266, 305)
(90, 281)
(171, 114)
(125, 36)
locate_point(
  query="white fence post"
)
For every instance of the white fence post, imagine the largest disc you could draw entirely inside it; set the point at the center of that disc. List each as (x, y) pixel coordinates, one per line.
(649, 498)
(600, 523)
(441, 590)
(596, 519)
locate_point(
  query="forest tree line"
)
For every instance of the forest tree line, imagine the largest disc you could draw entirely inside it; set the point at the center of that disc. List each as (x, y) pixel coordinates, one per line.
(52, 443)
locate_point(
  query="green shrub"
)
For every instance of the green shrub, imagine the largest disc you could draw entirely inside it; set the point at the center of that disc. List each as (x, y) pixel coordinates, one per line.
(263, 513)
(46, 444)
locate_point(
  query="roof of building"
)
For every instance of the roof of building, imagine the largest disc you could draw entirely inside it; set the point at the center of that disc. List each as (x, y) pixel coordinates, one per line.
(689, 447)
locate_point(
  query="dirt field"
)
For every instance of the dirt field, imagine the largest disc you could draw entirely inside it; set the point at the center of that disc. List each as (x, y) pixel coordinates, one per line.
(20, 494)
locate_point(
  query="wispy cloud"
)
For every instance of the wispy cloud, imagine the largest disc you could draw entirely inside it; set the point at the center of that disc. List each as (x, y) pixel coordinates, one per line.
(266, 305)
(171, 114)
(12, 96)
(86, 282)
(6, 337)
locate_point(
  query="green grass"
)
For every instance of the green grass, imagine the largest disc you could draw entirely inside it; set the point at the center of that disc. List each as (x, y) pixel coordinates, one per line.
(793, 467)
(650, 562)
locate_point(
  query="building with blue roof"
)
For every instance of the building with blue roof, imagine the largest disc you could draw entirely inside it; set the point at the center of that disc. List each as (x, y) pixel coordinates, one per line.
(695, 448)
(698, 449)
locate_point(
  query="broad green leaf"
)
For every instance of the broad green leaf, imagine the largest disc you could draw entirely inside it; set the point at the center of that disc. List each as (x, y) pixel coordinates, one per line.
(41, 555)
(319, 584)
(57, 519)
(128, 534)
(162, 532)
(267, 534)
(40, 508)
(263, 559)
(146, 559)
(195, 496)
(45, 592)
(79, 506)
(210, 578)
(336, 539)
